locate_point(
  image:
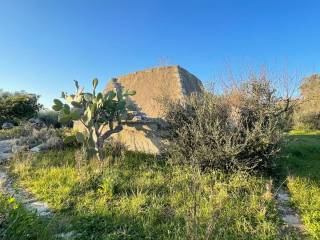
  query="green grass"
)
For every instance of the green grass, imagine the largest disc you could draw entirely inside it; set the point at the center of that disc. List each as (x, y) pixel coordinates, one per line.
(14, 132)
(142, 197)
(301, 165)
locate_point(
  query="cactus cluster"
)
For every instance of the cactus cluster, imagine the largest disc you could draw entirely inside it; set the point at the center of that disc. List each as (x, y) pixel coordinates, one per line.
(100, 113)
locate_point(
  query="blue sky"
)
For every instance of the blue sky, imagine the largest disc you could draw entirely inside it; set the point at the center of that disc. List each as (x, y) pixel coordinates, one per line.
(45, 44)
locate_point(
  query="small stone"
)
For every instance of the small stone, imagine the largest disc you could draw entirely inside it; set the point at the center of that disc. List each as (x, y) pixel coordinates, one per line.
(68, 235)
(291, 219)
(7, 125)
(36, 149)
(41, 208)
(283, 197)
(137, 118)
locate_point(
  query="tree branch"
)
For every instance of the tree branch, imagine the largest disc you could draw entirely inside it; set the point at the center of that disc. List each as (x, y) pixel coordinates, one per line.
(108, 133)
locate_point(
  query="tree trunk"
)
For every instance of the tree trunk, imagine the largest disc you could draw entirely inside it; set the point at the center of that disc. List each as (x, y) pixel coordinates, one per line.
(99, 149)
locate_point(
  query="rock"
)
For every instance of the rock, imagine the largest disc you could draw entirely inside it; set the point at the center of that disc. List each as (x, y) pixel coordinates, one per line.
(41, 207)
(54, 142)
(153, 88)
(5, 149)
(292, 220)
(4, 156)
(7, 125)
(18, 148)
(36, 123)
(137, 118)
(3, 178)
(288, 215)
(283, 196)
(36, 149)
(68, 235)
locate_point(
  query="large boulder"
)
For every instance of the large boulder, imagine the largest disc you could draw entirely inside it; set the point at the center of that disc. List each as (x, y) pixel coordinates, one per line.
(156, 85)
(144, 130)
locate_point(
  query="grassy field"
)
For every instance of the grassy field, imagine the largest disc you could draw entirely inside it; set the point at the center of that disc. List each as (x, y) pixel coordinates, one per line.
(301, 167)
(141, 197)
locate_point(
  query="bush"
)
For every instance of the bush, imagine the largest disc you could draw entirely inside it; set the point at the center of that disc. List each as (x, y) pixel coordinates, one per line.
(50, 118)
(307, 113)
(305, 120)
(15, 107)
(239, 130)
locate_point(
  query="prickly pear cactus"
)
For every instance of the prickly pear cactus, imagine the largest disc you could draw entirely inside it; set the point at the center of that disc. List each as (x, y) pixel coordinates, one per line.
(95, 111)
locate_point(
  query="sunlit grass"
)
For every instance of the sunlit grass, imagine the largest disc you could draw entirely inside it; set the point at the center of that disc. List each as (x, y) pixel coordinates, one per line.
(301, 163)
(142, 197)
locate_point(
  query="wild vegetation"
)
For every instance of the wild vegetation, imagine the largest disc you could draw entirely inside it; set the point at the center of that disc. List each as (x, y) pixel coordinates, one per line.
(307, 112)
(17, 107)
(228, 156)
(95, 112)
(141, 197)
(238, 130)
(300, 166)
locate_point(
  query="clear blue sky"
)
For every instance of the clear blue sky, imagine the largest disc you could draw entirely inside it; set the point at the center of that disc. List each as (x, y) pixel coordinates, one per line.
(45, 44)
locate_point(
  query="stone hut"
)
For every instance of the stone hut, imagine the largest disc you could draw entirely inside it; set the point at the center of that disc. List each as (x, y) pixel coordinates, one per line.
(153, 86)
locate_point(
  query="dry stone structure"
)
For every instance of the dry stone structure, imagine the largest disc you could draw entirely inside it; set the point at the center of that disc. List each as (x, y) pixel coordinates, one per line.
(153, 86)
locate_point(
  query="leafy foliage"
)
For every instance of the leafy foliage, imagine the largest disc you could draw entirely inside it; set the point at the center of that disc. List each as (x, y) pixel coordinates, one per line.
(98, 112)
(15, 107)
(239, 130)
(307, 114)
(50, 119)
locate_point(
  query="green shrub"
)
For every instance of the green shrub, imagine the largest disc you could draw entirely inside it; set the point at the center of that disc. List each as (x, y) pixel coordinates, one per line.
(307, 112)
(307, 120)
(19, 106)
(50, 118)
(239, 130)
